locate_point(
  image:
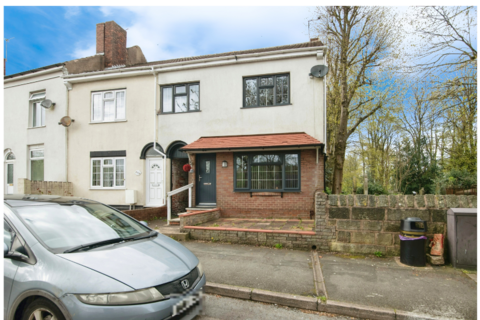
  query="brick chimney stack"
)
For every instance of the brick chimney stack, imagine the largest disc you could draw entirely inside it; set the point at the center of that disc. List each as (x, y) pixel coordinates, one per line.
(112, 43)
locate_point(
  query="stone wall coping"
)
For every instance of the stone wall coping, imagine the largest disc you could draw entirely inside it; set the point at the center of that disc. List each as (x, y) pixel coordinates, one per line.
(197, 212)
(310, 233)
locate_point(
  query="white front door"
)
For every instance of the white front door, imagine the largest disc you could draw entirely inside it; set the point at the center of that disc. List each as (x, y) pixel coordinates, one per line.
(155, 186)
(9, 178)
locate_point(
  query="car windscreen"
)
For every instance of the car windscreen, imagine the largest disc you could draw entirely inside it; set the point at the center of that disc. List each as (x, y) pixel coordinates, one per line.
(60, 227)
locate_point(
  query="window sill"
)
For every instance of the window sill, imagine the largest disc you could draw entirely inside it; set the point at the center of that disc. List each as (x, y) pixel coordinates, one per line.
(100, 122)
(122, 188)
(281, 105)
(170, 113)
(37, 127)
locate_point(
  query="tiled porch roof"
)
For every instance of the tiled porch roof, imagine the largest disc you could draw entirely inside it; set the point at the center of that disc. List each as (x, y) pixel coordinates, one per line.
(258, 141)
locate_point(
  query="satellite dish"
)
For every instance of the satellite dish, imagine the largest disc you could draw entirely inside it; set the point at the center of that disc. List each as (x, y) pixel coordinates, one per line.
(47, 104)
(319, 71)
(66, 121)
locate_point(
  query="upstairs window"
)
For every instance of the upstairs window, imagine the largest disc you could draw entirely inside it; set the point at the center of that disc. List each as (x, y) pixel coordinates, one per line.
(279, 171)
(108, 106)
(37, 112)
(180, 98)
(264, 91)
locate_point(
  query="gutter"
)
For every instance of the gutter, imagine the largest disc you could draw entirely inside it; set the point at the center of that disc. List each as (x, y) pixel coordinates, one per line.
(292, 147)
(192, 64)
(68, 87)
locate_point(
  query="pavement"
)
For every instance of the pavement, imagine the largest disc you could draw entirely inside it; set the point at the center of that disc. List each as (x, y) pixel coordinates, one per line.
(355, 285)
(224, 308)
(256, 267)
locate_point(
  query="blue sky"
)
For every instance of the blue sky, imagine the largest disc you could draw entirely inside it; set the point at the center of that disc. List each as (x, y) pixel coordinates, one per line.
(48, 35)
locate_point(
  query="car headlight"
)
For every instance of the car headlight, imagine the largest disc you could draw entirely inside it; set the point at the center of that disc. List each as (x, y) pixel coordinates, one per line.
(122, 298)
(200, 270)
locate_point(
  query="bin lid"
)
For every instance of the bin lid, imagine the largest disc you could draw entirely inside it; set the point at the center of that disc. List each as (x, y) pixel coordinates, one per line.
(413, 219)
(462, 211)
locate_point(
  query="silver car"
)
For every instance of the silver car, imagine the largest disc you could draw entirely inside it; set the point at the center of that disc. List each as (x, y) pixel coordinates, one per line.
(72, 258)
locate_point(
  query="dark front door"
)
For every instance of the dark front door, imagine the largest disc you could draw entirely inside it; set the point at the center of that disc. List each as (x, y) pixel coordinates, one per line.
(206, 179)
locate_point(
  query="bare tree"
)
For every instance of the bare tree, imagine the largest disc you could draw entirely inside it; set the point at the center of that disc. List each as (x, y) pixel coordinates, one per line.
(446, 38)
(360, 40)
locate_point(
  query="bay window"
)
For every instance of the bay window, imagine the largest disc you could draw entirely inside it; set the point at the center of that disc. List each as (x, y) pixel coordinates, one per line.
(276, 172)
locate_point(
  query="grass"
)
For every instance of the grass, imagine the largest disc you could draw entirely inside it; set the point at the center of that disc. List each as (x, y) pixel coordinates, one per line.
(216, 225)
(278, 245)
(323, 299)
(378, 254)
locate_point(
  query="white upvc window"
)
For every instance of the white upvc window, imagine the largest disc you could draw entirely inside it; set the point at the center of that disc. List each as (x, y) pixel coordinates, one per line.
(37, 112)
(107, 173)
(108, 106)
(36, 155)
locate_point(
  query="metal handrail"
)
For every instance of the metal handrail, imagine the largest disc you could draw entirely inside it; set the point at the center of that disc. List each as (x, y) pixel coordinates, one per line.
(169, 199)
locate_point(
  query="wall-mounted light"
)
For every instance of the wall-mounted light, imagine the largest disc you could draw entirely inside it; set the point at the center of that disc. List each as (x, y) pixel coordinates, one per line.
(224, 164)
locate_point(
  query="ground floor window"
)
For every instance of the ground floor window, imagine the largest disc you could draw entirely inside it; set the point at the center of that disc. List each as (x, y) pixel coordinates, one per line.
(279, 171)
(108, 172)
(36, 163)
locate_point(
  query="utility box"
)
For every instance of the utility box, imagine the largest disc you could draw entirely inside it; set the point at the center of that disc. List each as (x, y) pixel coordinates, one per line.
(130, 196)
(462, 237)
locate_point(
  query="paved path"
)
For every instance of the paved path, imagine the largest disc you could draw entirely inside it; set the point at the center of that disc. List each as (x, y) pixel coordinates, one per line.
(222, 308)
(438, 291)
(262, 224)
(284, 270)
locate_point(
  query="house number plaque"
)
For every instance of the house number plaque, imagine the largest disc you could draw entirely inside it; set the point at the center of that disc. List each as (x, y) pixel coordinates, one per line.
(207, 183)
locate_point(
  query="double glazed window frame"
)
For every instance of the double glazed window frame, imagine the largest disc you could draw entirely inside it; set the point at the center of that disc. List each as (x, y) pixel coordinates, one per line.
(32, 158)
(251, 164)
(37, 112)
(102, 166)
(259, 87)
(103, 98)
(186, 94)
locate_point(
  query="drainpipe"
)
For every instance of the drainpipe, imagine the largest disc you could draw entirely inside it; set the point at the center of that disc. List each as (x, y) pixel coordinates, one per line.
(155, 133)
(68, 87)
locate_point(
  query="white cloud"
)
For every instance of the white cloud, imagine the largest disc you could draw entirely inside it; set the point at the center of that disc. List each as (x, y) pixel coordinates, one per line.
(82, 52)
(71, 12)
(174, 32)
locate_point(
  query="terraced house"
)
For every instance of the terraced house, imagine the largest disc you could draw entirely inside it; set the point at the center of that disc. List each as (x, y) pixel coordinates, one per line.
(243, 131)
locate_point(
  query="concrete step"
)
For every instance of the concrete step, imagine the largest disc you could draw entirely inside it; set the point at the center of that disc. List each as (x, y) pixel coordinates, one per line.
(199, 209)
(175, 221)
(177, 236)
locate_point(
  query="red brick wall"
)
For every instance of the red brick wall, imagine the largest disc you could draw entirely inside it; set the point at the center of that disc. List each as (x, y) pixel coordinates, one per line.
(179, 179)
(269, 204)
(147, 213)
(112, 41)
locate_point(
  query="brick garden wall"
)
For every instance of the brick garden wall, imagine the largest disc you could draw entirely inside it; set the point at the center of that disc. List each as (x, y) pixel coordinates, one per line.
(268, 204)
(147, 214)
(198, 217)
(355, 224)
(367, 223)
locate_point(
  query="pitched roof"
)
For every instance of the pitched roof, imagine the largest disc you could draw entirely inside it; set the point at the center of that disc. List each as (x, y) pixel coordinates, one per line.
(231, 53)
(257, 141)
(34, 70)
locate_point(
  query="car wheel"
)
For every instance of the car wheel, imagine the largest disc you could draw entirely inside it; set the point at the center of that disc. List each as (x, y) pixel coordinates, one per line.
(42, 309)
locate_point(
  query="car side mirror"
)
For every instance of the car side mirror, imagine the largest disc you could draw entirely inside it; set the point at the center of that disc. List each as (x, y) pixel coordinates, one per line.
(5, 249)
(144, 223)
